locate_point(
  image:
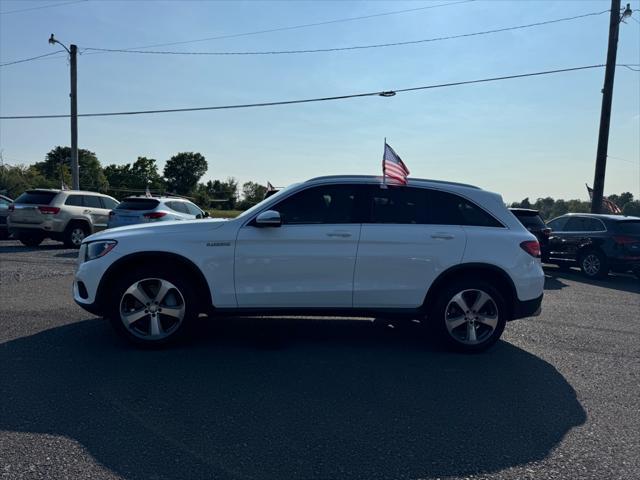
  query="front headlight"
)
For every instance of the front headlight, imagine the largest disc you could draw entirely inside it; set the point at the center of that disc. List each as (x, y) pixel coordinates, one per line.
(98, 249)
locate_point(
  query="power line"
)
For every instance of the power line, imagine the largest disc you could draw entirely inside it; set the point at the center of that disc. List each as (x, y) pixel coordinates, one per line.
(30, 58)
(356, 47)
(41, 7)
(295, 27)
(387, 93)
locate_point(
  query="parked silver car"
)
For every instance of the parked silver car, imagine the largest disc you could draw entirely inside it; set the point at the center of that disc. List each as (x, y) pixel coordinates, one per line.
(134, 210)
(65, 215)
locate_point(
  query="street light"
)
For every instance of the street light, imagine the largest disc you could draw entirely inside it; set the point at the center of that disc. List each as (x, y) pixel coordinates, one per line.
(72, 51)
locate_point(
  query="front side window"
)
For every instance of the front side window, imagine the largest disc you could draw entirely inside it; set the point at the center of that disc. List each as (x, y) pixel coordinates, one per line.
(594, 225)
(92, 201)
(180, 207)
(326, 204)
(109, 203)
(193, 210)
(557, 224)
(576, 224)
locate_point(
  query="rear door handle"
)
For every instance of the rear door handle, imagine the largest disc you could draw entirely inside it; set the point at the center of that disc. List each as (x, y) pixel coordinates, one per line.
(339, 234)
(443, 236)
(87, 211)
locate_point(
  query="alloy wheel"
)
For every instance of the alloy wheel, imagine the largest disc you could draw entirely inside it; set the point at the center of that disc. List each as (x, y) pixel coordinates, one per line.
(152, 308)
(471, 316)
(77, 236)
(591, 264)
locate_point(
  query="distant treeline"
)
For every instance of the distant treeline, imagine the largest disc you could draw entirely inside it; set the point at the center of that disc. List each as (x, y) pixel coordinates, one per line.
(181, 176)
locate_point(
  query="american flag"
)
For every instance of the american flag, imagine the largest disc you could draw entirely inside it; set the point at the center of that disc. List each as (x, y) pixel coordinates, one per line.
(606, 203)
(393, 168)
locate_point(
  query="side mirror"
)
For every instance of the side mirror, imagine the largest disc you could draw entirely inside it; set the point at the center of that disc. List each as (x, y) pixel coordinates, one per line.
(269, 218)
(206, 214)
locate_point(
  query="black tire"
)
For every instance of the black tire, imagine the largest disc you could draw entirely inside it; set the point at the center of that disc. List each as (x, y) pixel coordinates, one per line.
(594, 264)
(31, 240)
(74, 234)
(139, 332)
(442, 309)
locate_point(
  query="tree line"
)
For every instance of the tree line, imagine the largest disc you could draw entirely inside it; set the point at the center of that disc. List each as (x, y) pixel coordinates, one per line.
(181, 176)
(550, 208)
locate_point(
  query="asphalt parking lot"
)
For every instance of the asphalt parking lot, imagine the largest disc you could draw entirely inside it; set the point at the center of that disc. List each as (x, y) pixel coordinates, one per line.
(323, 399)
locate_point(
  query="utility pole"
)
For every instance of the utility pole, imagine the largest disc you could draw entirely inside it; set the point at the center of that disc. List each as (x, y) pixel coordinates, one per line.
(73, 64)
(607, 97)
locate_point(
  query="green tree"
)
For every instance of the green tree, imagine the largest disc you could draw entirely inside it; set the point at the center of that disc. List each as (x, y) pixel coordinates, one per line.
(221, 194)
(91, 174)
(252, 193)
(560, 207)
(14, 180)
(143, 173)
(623, 199)
(183, 171)
(632, 208)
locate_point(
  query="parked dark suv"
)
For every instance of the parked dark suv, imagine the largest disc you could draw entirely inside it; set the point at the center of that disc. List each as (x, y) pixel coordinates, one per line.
(596, 243)
(533, 222)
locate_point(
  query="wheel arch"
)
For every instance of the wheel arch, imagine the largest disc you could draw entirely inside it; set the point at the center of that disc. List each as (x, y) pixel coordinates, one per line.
(136, 260)
(79, 221)
(492, 273)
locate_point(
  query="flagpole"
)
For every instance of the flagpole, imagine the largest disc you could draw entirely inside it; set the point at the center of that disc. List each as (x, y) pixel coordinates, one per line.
(384, 176)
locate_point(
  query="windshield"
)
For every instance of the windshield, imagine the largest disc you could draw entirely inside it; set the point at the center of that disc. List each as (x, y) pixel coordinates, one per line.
(259, 206)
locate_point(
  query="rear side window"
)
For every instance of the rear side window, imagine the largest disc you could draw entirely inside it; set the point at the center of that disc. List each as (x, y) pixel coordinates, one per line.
(36, 198)
(92, 201)
(450, 209)
(584, 224)
(631, 227)
(138, 204)
(74, 201)
(404, 205)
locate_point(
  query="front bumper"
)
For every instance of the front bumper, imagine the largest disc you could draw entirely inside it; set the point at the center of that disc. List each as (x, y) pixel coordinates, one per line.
(527, 308)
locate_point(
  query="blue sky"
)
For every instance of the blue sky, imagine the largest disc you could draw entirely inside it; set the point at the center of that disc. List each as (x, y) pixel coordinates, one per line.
(530, 137)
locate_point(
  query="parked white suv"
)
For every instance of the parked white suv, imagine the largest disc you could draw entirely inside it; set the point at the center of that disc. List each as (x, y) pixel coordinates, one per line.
(449, 254)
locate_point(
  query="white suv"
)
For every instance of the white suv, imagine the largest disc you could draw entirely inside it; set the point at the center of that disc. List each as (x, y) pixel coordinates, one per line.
(449, 254)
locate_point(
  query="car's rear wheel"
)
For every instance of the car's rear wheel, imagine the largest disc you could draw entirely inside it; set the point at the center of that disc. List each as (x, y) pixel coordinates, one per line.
(75, 234)
(30, 239)
(152, 306)
(594, 264)
(469, 315)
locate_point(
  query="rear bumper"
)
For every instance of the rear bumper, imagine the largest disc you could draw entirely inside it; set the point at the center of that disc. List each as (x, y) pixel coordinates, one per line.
(527, 308)
(34, 230)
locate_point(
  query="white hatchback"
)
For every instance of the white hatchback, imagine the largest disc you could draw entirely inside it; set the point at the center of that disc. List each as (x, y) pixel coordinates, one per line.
(449, 254)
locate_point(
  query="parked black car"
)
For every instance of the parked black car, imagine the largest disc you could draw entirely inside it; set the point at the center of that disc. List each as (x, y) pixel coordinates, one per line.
(596, 243)
(533, 222)
(4, 212)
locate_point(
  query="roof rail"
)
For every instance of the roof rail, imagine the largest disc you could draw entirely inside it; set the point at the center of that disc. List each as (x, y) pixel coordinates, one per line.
(443, 182)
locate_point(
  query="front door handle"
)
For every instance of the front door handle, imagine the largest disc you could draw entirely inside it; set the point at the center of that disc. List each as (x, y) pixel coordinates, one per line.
(87, 211)
(339, 234)
(443, 236)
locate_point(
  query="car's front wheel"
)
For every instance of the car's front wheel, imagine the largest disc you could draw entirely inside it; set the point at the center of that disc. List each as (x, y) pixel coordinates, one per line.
(152, 306)
(469, 315)
(31, 239)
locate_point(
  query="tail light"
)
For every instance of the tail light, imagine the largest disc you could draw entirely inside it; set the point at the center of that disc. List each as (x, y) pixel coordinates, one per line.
(532, 247)
(624, 240)
(49, 210)
(154, 215)
(546, 232)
